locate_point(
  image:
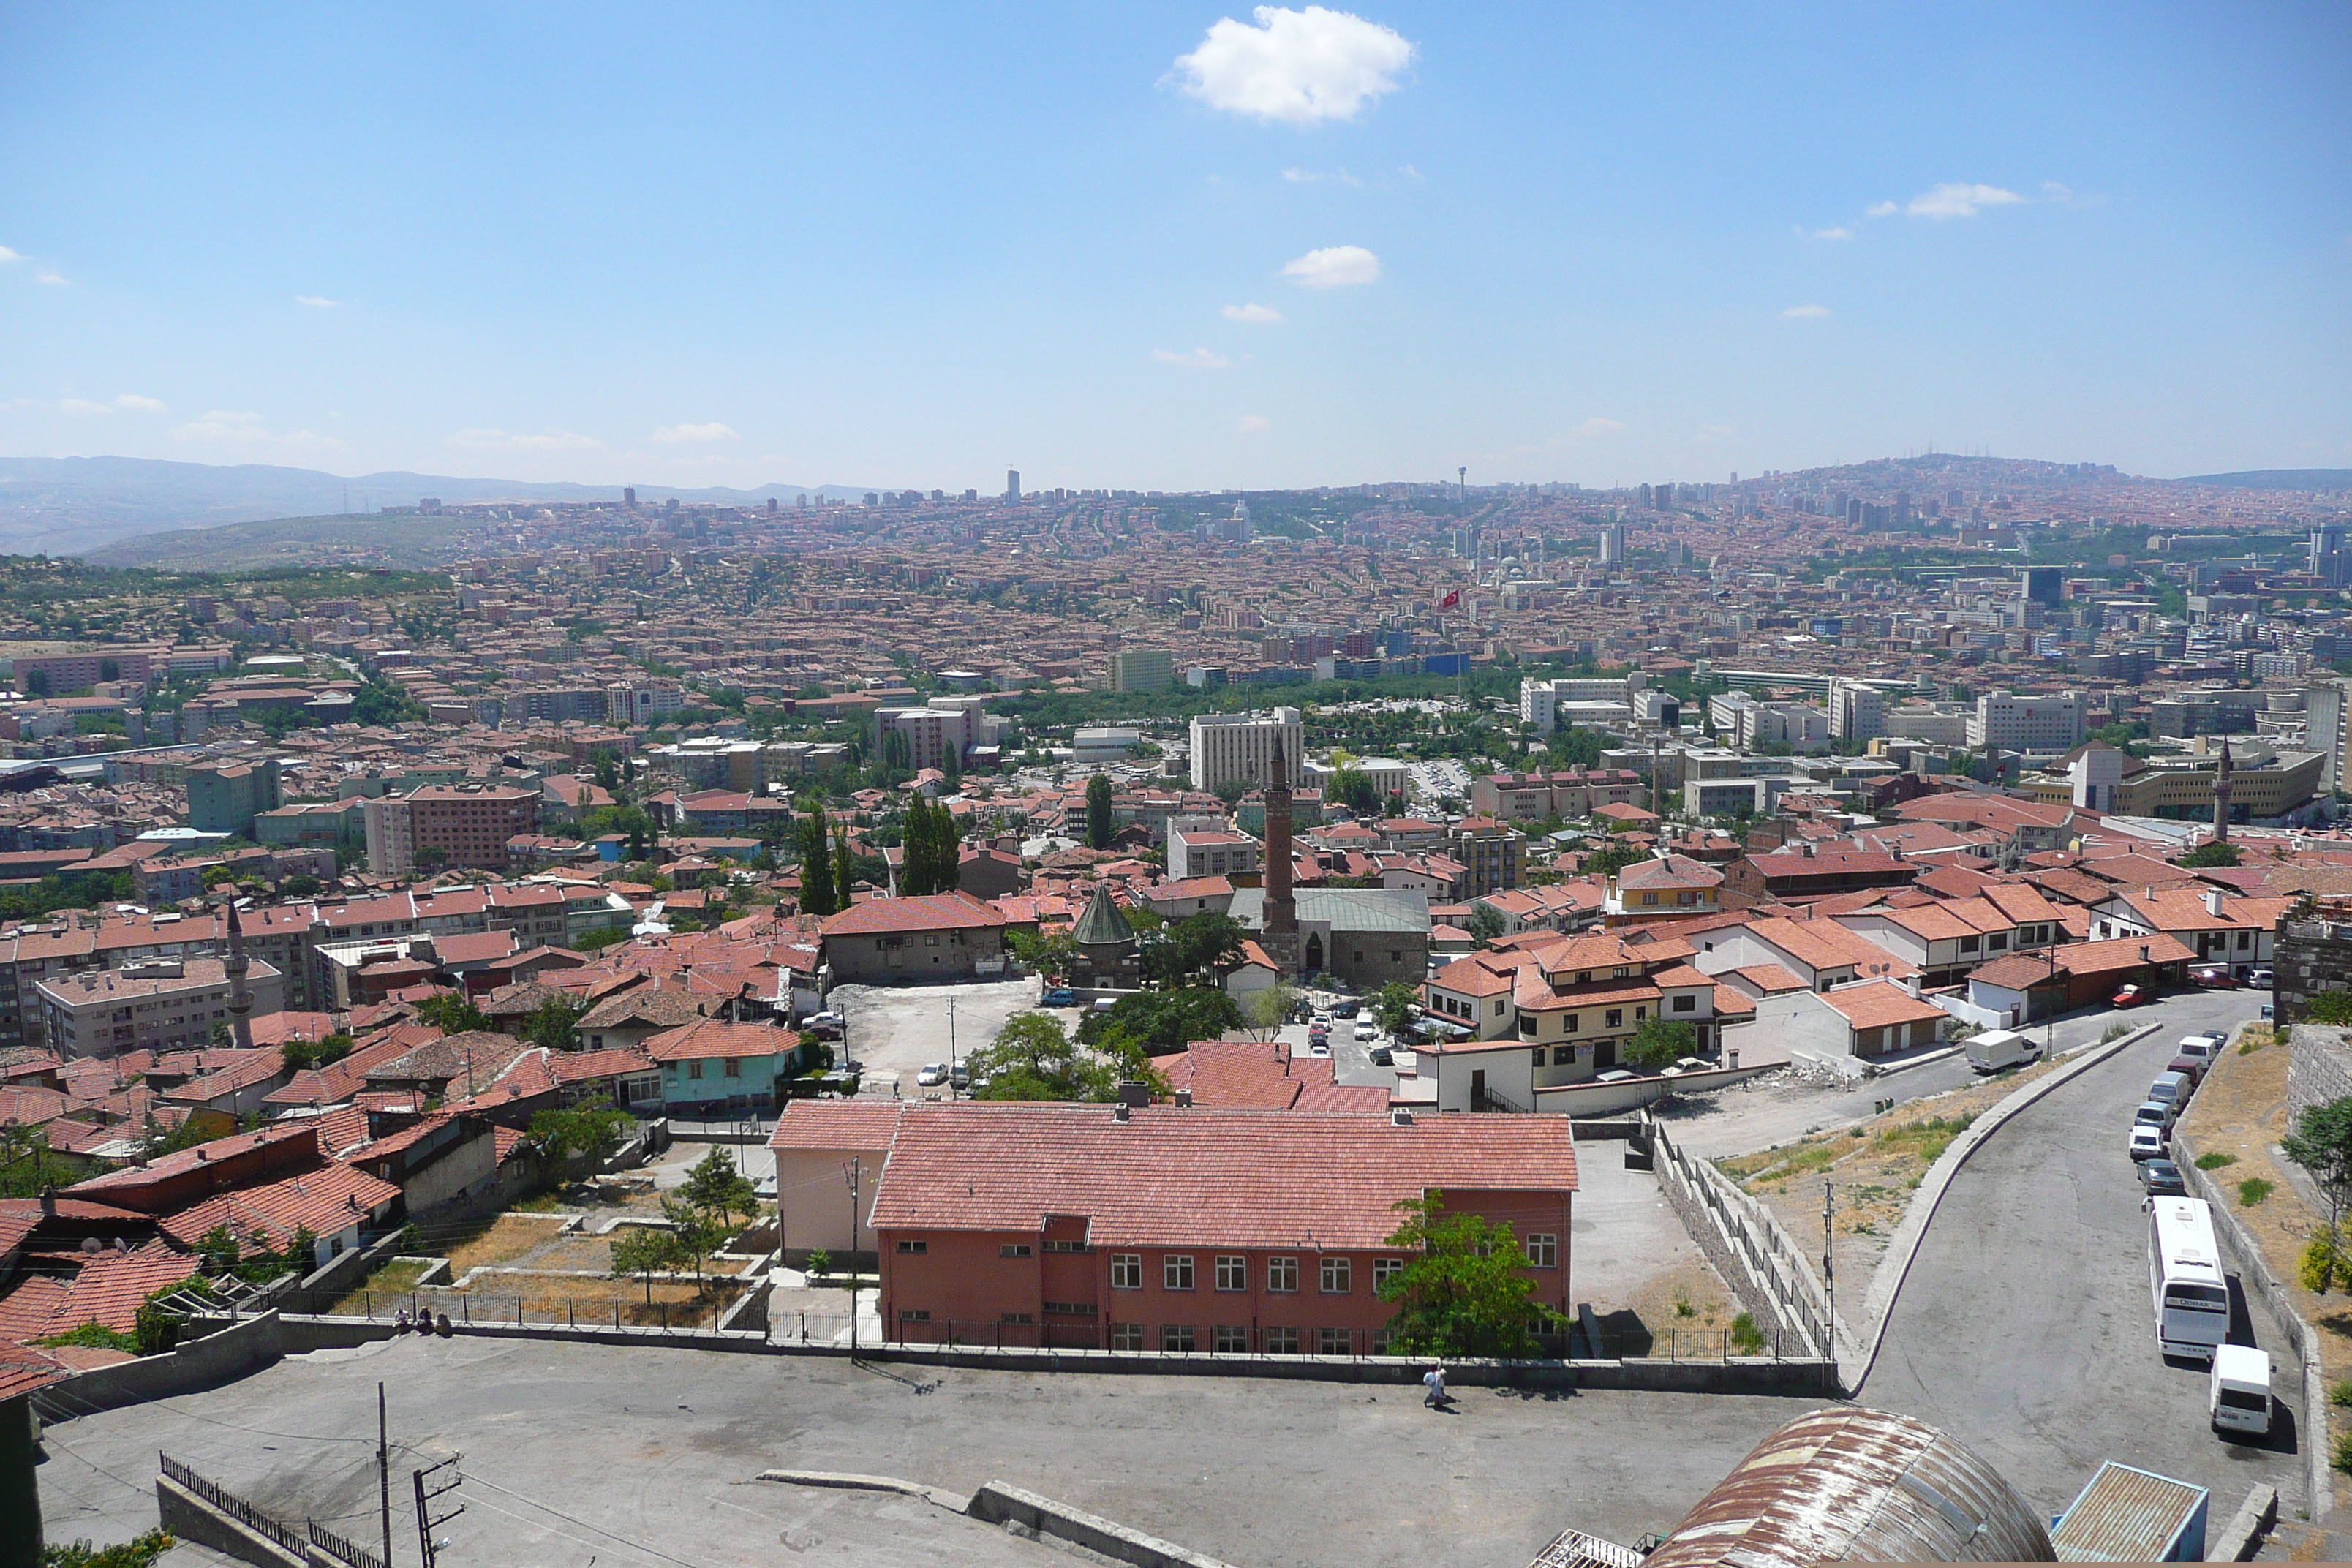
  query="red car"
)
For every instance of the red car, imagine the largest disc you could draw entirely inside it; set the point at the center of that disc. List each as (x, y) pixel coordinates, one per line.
(2130, 997)
(2213, 976)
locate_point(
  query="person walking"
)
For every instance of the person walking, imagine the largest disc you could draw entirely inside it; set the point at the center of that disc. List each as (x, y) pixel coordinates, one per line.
(1434, 1380)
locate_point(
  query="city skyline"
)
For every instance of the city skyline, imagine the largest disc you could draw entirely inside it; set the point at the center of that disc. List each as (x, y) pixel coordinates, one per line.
(1179, 248)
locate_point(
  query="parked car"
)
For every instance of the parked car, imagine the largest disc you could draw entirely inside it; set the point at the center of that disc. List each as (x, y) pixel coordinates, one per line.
(2190, 1068)
(2148, 1143)
(1058, 996)
(932, 1075)
(2171, 1089)
(963, 1079)
(823, 1026)
(1346, 1009)
(1615, 1075)
(2205, 1045)
(2162, 1179)
(1318, 1049)
(2238, 1399)
(2131, 996)
(2214, 976)
(2259, 978)
(2156, 1113)
(1383, 1056)
(1366, 1030)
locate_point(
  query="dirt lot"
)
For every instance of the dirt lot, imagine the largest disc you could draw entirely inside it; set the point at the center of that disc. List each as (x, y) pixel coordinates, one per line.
(1876, 1165)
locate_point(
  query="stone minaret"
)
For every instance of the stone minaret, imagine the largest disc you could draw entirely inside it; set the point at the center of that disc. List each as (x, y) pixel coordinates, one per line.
(1281, 936)
(234, 964)
(2222, 797)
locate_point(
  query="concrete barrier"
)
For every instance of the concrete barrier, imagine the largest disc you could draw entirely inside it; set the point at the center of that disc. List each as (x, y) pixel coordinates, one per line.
(227, 1353)
(190, 1518)
(998, 1503)
(1886, 1282)
(844, 1480)
(2242, 1537)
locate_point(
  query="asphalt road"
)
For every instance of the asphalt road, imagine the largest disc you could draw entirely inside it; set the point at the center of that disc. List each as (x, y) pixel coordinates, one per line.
(2026, 1328)
(645, 1458)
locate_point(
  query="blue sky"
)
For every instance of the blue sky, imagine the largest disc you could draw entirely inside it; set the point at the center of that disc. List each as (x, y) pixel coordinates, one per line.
(912, 245)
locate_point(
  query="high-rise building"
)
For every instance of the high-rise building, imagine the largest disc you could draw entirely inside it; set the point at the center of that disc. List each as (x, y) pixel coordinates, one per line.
(2048, 723)
(1857, 711)
(2046, 586)
(468, 823)
(224, 798)
(1142, 669)
(1012, 484)
(1230, 748)
(629, 497)
(1612, 544)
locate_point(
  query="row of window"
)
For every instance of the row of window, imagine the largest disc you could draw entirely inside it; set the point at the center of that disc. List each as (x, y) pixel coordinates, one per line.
(1176, 1268)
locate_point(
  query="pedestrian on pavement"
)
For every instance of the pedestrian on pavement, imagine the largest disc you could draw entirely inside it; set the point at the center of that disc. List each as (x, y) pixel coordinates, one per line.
(1434, 1380)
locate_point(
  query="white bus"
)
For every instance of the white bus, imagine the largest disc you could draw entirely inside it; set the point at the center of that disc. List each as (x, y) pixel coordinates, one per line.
(2184, 1276)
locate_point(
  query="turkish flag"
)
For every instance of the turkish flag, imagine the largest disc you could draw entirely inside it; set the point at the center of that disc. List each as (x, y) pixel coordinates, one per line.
(1451, 600)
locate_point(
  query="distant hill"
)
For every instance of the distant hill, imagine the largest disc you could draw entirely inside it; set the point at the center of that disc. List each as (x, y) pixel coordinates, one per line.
(404, 541)
(69, 506)
(2278, 479)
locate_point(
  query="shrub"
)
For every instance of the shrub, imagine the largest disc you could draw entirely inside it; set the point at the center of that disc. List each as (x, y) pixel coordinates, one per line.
(2340, 1393)
(139, 1552)
(2321, 1261)
(2215, 1160)
(2251, 1191)
(2340, 1455)
(1746, 1337)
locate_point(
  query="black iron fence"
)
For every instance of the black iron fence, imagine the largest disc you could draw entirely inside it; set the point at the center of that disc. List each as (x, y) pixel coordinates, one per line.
(296, 1540)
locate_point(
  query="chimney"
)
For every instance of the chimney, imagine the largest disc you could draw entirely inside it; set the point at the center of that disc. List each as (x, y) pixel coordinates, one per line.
(2213, 902)
(48, 1200)
(1119, 1112)
(1184, 1099)
(1911, 983)
(1399, 1117)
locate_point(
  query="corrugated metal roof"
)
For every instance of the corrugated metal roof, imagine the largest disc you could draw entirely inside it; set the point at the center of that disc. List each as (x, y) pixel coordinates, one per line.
(1574, 1549)
(2126, 1515)
(1856, 1485)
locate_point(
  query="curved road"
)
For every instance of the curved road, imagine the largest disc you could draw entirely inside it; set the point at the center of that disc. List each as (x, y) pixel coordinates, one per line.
(2025, 1330)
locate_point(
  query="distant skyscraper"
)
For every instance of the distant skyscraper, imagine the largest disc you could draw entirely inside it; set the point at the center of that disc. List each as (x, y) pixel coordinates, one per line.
(1612, 544)
(2045, 585)
(629, 497)
(1012, 484)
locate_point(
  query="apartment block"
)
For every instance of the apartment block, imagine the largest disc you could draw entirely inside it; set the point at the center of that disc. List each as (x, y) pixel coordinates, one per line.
(1238, 748)
(159, 1004)
(470, 823)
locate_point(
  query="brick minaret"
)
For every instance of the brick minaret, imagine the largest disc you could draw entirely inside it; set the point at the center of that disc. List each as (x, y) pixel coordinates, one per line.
(234, 964)
(1281, 936)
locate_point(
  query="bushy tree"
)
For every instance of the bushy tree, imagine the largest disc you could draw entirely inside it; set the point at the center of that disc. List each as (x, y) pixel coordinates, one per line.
(554, 1024)
(845, 867)
(1048, 954)
(1264, 1012)
(644, 1251)
(2215, 853)
(1163, 1021)
(2322, 1144)
(932, 843)
(1199, 947)
(1486, 923)
(451, 1012)
(1099, 824)
(592, 1128)
(716, 1189)
(817, 893)
(1033, 1057)
(1659, 1043)
(1393, 1006)
(300, 1055)
(1464, 1290)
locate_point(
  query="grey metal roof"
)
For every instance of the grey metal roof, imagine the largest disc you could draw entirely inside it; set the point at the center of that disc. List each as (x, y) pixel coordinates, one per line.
(2125, 1515)
(1856, 1485)
(1397, 909)
(1103, 923)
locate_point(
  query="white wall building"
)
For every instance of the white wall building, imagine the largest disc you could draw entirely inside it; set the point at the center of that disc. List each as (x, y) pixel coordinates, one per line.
(2051, 723)
(1239, 747)
(1857, 712)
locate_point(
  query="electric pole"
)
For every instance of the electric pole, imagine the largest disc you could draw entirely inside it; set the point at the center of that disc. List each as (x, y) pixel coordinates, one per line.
(1829, 1268)
(383, 1472)
(428, 1522)
(854, 1173)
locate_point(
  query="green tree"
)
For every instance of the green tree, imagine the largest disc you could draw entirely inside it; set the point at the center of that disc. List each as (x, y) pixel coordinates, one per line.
(1033, 1057)
(300, 1055)
(451, 1012)
(1049, 954)
(592, 1128)
(2322, 1144)
(845, 865)
(1463, 1290)
(554, 1024)
(718, 1190)
(1099, 824)
(817, 897)
(645, 1251)
(694, 1236)
(1264, 1012)
(1351, 788)
(1393, 1006)
(2214, 853)
(1197, 947)
(1163, 1021)
(1486, 923)
(1659, 1044)
(1609, 859)
(2331, 1007)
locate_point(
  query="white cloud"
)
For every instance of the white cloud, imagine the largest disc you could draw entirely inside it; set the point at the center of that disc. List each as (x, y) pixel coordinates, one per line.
(1960, 199)
(317, 301)
(1264, 315)
(1198, 359)
(52, 279)
(247, 428)
(1884, 209)
(128, 401)
(1317, 177)
(1804, 312)
(7, 255)
(1410, 172)
(1712, 432)
(548, 440)
(1297, 67)
(1598, 426)
(1252, 424)
(1832, 233)
(714, 431)
(1335, 266)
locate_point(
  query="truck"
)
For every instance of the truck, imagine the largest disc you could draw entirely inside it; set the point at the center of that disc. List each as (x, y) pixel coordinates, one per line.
(2239, 1397)
(1992, 1051)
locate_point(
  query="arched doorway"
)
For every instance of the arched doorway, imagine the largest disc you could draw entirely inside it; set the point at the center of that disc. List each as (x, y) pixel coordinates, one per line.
(1315, 954)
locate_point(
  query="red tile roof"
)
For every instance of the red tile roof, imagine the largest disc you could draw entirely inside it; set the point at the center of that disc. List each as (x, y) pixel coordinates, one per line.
(830, 1124)
(1269, 1178)
(935, 911)
(707, 1038)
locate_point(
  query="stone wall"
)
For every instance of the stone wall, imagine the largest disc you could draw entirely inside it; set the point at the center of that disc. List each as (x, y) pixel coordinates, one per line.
(2309, 956)
(2319, 1069)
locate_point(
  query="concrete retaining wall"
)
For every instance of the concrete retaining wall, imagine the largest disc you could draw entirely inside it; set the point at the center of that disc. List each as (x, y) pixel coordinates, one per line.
(2318, 1067)
(1776, 1268)
(190, 1518)
(998, 1503)
(229, 1352)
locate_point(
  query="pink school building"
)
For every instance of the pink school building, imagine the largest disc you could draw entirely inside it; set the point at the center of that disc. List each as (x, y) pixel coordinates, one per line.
(1184, 1229)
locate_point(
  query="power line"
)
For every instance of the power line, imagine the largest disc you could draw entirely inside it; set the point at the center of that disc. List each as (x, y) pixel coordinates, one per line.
(635, 1545)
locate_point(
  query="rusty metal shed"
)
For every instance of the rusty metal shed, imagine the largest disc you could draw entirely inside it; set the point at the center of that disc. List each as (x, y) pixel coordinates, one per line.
(1854, 1484)
(2127, 1515)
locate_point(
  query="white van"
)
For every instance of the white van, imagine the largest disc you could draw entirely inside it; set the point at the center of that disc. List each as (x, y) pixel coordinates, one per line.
(1991, 1050)
(2173, 1089)
(2204, 1047)
(2239, 1398)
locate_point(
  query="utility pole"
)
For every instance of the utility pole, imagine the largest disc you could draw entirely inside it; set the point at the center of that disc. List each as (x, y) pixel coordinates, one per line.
(1829, 1268)
(428, 1522)
(383, 1472)
(854, 1172)
(952, 1064)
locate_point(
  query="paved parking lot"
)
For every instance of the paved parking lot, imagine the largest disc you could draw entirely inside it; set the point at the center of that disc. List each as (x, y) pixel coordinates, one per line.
(896, 1030)
(647, 1458)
